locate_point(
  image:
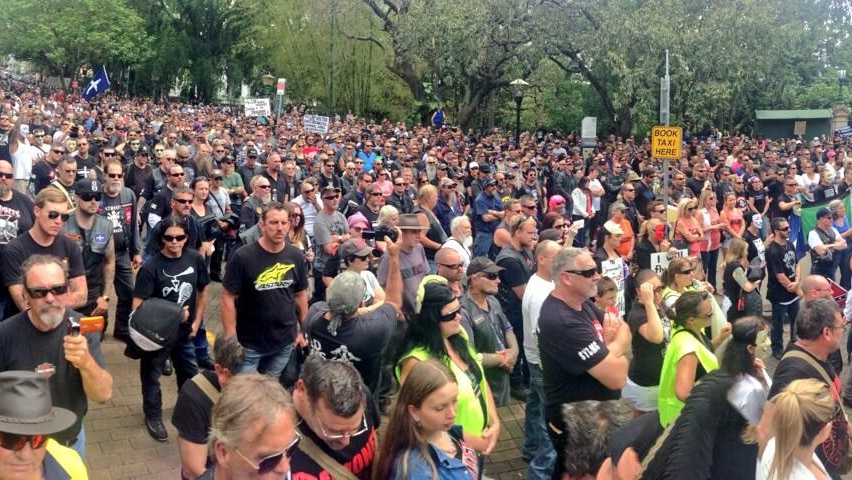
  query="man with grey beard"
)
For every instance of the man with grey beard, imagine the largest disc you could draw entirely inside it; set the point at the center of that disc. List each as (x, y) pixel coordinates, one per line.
(261, 194)
(41, 340)
(119, 207)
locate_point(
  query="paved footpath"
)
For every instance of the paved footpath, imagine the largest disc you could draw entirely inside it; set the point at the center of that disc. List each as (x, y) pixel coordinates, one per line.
(119, 447)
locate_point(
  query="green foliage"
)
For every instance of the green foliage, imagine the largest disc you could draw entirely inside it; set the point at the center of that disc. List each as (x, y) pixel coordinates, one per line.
(62, 36)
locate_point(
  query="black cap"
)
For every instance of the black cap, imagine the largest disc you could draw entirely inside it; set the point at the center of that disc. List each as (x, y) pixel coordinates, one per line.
(822, 213)
(483, 264)
(143, 150)
(251, 153)
(88, 185)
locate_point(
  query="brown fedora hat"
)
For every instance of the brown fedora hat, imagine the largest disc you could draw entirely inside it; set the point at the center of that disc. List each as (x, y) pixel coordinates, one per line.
(410, 221)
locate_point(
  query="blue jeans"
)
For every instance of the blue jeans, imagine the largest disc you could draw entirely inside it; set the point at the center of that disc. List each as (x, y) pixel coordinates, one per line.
(271, 364)
(482, 244)
(151, 368)
(710, 261)
(777, 334)
(537, 445)
(80, 445)
(202, 347)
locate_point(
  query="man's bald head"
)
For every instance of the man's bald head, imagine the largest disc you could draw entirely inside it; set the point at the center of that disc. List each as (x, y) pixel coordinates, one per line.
(447, 256)
(815, 286)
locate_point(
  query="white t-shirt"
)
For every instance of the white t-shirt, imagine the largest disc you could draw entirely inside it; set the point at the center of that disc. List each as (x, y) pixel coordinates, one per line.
(372, 283)
(536, 292)
(814, 240)
(799, 471)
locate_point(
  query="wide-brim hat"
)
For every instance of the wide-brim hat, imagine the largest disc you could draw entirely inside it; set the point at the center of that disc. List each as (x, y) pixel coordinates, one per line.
(26, 406)
(409, 221)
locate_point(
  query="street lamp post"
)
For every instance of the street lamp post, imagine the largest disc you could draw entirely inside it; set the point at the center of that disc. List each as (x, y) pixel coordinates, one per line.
(841, 77)
(519, 86)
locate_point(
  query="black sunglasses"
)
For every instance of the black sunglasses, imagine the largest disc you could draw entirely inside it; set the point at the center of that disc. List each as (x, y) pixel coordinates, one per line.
(88, 197)
(182, 201)
(7, 176)
(490, 275)
(56, 290)
(449, 317)
(267, 464)
(54, 215)
(174, 238)
(16, 443)
(588, 273)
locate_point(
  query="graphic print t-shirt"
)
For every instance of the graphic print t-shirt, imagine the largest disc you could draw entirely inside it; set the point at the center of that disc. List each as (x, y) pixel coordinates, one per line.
(174, 279)
(266, 284)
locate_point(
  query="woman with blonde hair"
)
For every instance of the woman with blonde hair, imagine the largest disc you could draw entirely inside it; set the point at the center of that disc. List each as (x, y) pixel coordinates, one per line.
(736, 285)
(688, 233)
(801, 420)
(435, 236)
(421, 440)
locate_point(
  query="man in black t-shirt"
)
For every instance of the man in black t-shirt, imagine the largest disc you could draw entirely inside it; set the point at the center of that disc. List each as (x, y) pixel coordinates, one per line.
(264, 295)
(16, 217)
(517, 263)
(785, 202)
(41, 340)
(784, 272)
(582, 351)
(820, 329)
(194, 406)
(335, 412)
(50, 211)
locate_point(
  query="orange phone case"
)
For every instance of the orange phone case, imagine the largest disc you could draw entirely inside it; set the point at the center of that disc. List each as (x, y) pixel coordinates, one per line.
(91, 325)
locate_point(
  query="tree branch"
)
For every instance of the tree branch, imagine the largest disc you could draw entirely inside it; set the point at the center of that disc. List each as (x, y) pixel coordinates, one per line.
(365, 39)
(593, 80)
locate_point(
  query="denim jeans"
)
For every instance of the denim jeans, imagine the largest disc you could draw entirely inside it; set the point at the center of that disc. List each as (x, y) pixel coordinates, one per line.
(710, 261)
(124, 282)
(80, 445)
(777, 334)
(482, 244)
(202, 346)
(537, 445)
(151, 368)
(271, 364)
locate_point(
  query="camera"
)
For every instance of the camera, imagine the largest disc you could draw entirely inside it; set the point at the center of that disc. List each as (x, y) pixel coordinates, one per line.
(384, 232)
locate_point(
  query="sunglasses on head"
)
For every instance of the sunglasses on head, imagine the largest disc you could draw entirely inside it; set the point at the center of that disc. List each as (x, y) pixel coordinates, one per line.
(16, 443)
(54, 215)
(588, 273)
(268, 464)
(449, 317)
(174, 238)
(41, 292)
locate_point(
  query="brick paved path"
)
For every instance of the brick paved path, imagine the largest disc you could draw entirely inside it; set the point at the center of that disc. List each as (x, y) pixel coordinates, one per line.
(118, 447)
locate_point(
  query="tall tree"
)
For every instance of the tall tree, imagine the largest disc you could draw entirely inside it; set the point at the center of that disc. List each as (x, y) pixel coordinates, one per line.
(62, 36)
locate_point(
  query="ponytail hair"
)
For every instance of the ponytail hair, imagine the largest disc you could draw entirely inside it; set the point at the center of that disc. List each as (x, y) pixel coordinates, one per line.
(801, 411)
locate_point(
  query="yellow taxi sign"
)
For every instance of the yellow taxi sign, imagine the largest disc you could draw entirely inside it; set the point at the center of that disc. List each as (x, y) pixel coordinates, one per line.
(666, 142)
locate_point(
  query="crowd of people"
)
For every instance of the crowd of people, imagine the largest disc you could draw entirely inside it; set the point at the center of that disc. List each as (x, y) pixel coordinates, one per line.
(429, 274)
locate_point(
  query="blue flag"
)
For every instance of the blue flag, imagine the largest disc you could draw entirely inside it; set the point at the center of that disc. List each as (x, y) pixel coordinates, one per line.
(98, 85)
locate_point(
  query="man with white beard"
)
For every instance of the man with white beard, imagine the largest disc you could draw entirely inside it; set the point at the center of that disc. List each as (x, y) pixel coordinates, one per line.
(461, 239)
(119, 207)
(41, 340)
(261, 194)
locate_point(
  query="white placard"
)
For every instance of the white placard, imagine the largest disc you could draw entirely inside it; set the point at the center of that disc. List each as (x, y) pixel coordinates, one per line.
(256, 107)
(614, 269)
(580, 223)
(660, 261)
(315, 123)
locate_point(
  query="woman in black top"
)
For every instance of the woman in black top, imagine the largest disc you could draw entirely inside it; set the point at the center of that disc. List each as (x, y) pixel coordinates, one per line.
(743, 294)
(427, 198)
(176, 274)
